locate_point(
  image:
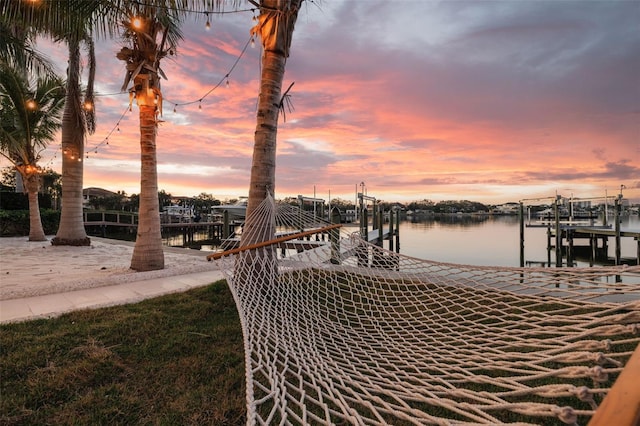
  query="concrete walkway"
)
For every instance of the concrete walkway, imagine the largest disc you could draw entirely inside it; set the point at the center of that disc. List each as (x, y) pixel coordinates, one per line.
(52, 305)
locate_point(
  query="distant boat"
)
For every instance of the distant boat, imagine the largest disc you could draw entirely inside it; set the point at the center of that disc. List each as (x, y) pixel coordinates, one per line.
(236, 210)
(178, 211)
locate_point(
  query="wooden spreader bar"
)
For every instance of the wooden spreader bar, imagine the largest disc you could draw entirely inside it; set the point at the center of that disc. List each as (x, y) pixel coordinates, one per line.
(278, 240)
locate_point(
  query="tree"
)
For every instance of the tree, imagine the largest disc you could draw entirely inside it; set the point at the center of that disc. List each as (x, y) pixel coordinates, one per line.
(275, 29)
(51, 183)
(29, 118)
(17, 48)
(70, 21)
(203, 202)
(152, 34)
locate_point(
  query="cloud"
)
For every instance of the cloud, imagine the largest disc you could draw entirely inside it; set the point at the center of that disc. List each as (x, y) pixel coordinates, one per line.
(420, 100)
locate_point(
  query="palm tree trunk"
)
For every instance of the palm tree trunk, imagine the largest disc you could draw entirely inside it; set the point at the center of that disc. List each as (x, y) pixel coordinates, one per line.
(36, 232)
(275, 27)
(147, 252)
(71, 229)
(263, 166)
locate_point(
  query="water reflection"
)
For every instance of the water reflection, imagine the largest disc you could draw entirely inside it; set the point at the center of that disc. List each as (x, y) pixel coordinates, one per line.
(454, 220)
(464, 239)
(489, 240)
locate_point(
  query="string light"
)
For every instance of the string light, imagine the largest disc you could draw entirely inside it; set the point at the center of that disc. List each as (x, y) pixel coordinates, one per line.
(116, 127)
(105, 141)
(136, 22)
(178, 9)
(224, 80)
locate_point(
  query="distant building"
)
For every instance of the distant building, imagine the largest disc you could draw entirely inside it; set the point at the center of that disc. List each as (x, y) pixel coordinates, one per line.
(507, 208)
(91, 193)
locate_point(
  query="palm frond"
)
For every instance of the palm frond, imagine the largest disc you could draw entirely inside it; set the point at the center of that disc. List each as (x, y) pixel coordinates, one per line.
(30, 116)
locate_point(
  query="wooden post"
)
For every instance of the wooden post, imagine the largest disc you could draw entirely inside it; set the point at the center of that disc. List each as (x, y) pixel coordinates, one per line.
(374, 216)
(558, 235)
(365, 222)
(398, 232)
(593, 242)
(621, 406)
(617, 227)
(521, 235)
(549, 243)
(380, 226)
(569, 247)
(391, 230)
(334, 236)
(225, 225)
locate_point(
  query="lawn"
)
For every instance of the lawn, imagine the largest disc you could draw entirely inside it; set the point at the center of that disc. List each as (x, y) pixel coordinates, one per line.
(171, 360)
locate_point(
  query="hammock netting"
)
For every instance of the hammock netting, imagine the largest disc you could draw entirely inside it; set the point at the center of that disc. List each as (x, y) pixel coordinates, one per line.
(340, 331)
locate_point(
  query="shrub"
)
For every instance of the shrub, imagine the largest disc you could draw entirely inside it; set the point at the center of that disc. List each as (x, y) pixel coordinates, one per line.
(10, 200)
(15, 223)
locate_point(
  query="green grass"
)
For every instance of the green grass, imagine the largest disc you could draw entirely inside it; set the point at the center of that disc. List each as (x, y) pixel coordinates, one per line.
(173, 360)
(176, 359)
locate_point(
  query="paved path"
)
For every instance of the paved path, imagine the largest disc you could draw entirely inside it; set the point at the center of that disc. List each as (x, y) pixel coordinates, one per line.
(51, 305)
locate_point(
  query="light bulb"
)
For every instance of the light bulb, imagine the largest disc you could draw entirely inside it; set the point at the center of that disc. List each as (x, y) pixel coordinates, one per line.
(253, 42)
(227, 82)
(136, 22)
(207, 26)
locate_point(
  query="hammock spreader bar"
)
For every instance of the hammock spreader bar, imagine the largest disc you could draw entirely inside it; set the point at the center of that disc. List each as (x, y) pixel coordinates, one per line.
(278, 240)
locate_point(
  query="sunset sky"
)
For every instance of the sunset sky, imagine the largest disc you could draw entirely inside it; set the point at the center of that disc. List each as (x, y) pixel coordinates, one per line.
(490, 101)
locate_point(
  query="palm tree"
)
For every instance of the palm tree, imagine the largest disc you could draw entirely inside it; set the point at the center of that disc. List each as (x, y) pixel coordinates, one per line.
(275, 29)
(29, 118)
(152, 31)
(17, 47)
(152, 35)
(77, 121)
(69, 21)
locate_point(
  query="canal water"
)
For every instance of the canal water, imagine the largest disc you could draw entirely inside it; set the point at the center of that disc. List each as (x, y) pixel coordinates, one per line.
(471, 240)
(490, 240)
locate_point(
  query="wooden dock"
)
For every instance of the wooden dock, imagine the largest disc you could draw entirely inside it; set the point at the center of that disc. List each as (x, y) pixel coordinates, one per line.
(562, 239)
(102, 221)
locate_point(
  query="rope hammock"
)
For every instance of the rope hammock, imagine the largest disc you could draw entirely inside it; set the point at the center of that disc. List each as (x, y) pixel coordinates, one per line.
(340, 331)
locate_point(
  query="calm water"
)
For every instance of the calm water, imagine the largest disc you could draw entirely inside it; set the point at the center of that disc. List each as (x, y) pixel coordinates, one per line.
(491, 240)
(471, 240)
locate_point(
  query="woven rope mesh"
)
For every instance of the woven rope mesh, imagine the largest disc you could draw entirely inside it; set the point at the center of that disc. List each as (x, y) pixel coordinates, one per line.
(340, 331)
